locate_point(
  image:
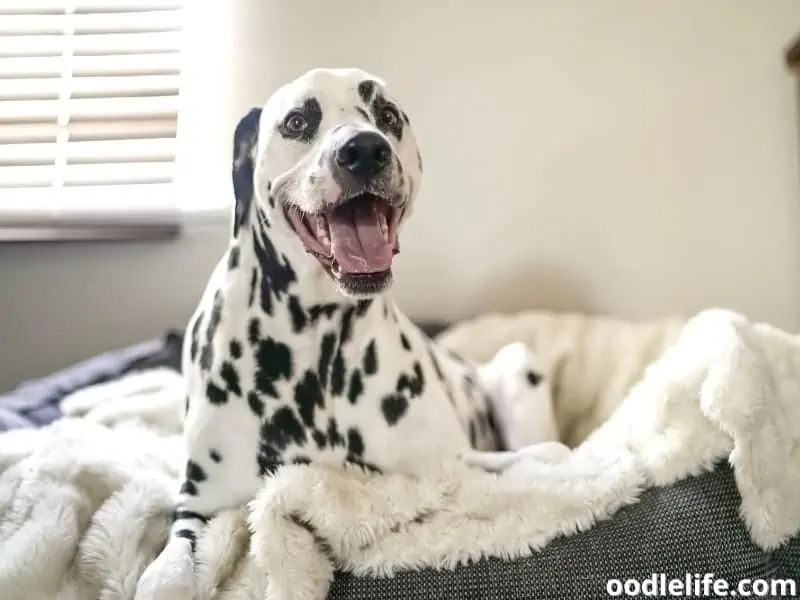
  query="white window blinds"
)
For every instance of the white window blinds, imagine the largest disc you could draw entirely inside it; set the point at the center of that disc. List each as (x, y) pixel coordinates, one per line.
(88, 93)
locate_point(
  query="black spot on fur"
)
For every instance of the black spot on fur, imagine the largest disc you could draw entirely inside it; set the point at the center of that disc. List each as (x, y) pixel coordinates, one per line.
(355, 443)
(334, 437)
(363, 113)
(188, 515)
(533, 378)
(276, 272)
(301, 460)
(356, 386)
(320, 439)
(405, 117)
(273, 363)
(207, 353)
(195, 472)
(230, 376)
(347, 325)
(318, 310)
(308, 397)
(255, 403)
(253, 281)
(378, 105)
(215, 394)
(363, 306)
(277, 433)
(188, 534)
(215, 456)
(437, 369)
(366, 90)
(233, 258)
(268, 466)
(371, 359)
(188, 488)
(419, 161)
(193, 349)
(394, 406)
(338, 370)
(325, 357)
(297, 314)
(414, 384)
(312, 113)
(244, 140)
(253, 331)
(194, 335)
(235, 348)
(404, 341)
(338, 374)
(186, 405)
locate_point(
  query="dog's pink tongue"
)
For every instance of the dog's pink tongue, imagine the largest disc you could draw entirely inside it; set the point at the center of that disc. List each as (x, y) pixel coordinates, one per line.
(357, 242)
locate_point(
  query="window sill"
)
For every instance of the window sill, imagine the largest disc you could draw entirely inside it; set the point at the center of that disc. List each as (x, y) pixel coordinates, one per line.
(121, 214)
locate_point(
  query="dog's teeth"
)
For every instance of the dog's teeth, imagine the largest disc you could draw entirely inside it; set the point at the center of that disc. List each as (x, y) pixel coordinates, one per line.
(323, 233)
(383, 225)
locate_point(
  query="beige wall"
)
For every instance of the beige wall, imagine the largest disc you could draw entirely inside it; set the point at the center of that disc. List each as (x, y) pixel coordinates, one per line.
(628, 157)
(619, 156)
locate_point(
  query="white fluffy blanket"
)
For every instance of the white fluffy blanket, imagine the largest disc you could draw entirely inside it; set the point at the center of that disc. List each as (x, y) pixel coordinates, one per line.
(85, 503)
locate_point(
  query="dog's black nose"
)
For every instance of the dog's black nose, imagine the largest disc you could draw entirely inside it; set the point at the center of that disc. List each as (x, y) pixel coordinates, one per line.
(365, 154)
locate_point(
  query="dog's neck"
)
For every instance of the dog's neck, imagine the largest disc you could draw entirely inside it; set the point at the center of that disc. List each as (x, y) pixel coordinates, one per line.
(267, 269)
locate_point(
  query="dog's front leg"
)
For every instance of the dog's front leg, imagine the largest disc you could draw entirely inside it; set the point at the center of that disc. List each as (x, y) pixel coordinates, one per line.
(221, 472)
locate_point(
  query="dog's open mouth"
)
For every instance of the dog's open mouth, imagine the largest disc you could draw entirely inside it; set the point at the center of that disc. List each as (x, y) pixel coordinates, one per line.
(356, 239)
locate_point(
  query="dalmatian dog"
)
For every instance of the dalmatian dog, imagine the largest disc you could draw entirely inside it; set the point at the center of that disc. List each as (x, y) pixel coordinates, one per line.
(296, 351)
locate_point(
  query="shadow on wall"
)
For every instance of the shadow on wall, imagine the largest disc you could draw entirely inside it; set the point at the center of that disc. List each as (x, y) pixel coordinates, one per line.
(549, 287)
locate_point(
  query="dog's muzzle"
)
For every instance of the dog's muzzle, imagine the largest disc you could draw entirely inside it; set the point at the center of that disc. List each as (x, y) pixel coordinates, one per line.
(356, 237)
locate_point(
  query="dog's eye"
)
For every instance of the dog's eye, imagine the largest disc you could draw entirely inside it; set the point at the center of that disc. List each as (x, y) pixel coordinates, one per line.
(295, 123)
(389, 116)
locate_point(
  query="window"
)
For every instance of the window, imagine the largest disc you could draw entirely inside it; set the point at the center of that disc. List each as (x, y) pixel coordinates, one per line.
(88, 102)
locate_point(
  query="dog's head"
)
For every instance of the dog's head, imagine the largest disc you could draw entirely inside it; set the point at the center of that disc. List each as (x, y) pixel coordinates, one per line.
(331, 158)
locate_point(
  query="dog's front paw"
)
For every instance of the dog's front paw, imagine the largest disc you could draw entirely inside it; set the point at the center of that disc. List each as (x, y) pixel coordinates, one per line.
(170, 576)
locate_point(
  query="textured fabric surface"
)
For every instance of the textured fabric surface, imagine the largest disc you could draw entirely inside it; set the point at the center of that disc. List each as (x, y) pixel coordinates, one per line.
(690, 527)
(35, 403)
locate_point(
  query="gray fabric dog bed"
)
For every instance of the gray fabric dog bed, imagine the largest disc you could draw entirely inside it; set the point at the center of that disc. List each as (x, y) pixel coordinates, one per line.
(691, 527)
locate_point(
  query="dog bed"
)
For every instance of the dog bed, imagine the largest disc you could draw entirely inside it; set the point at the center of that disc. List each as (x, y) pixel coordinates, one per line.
(37, 402)
(685, 460)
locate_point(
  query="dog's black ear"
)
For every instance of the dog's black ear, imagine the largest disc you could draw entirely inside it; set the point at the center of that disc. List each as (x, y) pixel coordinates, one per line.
(244, 143)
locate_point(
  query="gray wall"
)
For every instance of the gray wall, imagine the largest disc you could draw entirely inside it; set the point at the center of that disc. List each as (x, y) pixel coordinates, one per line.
(62, 302)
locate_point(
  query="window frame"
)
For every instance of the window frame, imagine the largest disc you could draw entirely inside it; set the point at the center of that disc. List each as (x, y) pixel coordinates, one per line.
(148, 212)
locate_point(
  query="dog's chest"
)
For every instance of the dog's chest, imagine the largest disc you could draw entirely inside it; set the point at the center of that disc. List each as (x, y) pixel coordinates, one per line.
(326, 381)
